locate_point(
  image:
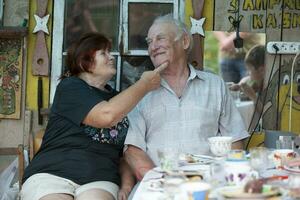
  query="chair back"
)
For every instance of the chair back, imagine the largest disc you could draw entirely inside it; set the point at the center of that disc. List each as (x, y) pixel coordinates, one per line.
(35, 141)
(19, 152)
(272, 135)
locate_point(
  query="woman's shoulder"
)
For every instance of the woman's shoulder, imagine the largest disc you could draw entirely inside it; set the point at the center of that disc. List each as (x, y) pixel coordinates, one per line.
(72, 81)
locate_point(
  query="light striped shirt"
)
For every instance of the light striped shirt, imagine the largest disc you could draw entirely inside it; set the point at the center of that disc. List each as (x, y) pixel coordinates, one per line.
(162, 120)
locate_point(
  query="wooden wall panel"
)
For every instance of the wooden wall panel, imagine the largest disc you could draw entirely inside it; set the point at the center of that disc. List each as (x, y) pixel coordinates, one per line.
(252, 12)
(283, 25)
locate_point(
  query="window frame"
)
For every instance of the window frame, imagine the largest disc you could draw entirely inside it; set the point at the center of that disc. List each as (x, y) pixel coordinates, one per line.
(126, 23)
(1, 12)
(58, 34)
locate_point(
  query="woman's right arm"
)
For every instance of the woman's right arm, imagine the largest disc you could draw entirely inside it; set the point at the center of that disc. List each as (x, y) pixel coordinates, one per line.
(108, 113)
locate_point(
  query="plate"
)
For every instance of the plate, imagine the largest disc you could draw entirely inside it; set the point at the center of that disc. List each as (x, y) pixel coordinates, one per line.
(196, 168)
(237, 192)
(292, 169)
(193, 159)
(274, 172)
(156, 185)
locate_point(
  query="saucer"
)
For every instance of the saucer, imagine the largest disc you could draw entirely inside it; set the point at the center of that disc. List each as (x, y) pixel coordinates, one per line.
(292, 169)
(237, 192)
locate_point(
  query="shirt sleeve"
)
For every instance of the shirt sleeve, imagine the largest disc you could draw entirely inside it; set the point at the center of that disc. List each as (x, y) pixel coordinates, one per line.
(231, 122)
(136, 135)
(74, 99)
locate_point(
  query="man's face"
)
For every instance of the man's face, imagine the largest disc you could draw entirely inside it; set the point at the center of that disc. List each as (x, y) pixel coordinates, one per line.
(162, 46)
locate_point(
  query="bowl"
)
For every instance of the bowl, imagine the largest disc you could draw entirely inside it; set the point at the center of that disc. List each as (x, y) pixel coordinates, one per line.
(220, 145)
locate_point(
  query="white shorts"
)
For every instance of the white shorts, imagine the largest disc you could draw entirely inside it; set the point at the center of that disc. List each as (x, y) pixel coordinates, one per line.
(42, 184)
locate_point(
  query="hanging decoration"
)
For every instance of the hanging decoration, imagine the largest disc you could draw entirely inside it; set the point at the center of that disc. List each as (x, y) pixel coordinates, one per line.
(196, 55)
(10, 77)
(197, 26)
(40, 64)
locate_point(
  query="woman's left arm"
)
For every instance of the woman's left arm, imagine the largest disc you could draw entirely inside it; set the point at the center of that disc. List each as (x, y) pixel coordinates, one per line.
(127, 180)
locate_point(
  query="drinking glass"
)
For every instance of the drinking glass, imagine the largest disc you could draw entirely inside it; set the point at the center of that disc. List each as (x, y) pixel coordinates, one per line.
(168, 158)
(236, 96)
(285, 142)
(259, 159)
(217, 173)
(172, 183)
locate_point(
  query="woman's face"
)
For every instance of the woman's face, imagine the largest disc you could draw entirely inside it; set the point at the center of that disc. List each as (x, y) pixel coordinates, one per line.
(104, 64)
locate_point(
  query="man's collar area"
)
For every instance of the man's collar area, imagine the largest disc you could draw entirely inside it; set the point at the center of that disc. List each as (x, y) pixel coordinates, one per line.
(195, 73)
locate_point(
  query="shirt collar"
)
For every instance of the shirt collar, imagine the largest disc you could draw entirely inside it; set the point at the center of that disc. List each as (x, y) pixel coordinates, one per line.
(195, 73)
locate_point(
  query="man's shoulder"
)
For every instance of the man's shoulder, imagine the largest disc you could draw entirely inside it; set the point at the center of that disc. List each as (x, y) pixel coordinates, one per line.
(207, 75)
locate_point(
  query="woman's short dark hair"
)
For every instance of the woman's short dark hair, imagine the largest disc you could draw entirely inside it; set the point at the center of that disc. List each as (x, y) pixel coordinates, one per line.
(81, 53)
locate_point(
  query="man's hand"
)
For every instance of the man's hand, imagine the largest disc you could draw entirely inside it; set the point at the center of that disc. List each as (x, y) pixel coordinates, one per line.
(139, 161)
(234, 87)
(248, 91)
(123, 193)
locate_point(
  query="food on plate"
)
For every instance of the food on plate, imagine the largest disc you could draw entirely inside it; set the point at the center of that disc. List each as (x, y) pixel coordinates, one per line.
(254, 186)
(190, 159)
(194, 177)
(295, 193)
(260, 186)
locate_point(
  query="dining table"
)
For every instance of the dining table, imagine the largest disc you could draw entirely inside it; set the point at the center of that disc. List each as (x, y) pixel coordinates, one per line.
(151, 186)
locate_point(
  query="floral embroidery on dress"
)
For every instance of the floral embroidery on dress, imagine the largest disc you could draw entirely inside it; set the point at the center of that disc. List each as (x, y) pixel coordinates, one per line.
(113, 135)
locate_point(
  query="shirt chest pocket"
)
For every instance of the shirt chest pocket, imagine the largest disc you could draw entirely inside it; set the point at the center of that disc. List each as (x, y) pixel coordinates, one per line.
(206, 117)
(189, 116)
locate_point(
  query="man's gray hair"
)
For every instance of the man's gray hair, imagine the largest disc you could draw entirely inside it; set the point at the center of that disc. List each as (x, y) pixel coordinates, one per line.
(180, 26)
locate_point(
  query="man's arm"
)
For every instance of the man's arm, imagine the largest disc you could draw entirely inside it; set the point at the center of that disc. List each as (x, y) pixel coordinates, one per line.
(127, 180)
(139, 161)
(238, 144)
(226, 41)
(248, 91)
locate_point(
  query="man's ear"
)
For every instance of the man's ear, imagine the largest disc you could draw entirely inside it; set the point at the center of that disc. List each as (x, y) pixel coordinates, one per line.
(186, 41)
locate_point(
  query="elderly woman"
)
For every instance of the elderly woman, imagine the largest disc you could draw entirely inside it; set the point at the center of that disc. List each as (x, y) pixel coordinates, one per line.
(80, 154)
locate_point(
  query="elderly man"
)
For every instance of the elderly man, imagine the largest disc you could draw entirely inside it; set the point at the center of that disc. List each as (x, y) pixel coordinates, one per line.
(189, 107)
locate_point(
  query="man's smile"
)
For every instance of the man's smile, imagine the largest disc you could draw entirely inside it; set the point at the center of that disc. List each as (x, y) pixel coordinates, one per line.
(158, 54)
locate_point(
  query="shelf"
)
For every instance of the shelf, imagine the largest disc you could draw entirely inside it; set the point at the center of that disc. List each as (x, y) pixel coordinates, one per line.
(13, 32)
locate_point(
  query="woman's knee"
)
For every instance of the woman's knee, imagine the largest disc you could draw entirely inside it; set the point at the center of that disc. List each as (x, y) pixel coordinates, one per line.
(95, 194)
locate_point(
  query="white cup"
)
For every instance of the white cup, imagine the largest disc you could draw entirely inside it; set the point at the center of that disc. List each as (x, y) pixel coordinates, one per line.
(220, 145)
(195, 190)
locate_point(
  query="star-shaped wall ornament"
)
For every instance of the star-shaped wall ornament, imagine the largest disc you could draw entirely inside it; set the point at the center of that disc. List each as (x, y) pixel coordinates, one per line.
(41, 24)
(197, 26)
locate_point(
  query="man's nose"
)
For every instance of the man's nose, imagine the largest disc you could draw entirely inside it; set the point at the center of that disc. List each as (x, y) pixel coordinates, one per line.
(153, 45)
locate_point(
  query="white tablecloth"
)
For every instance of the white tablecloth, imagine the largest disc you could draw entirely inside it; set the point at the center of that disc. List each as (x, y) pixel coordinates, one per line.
(246, 109)
(144, 191)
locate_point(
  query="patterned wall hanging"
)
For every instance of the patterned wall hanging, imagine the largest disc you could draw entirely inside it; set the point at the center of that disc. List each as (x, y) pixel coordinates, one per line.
(10, 77)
